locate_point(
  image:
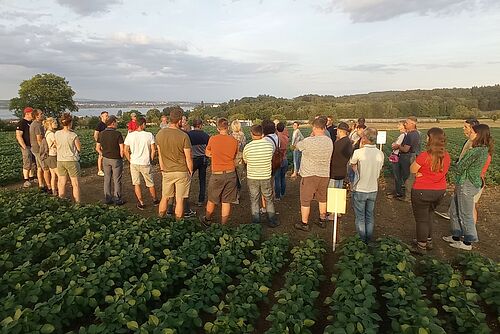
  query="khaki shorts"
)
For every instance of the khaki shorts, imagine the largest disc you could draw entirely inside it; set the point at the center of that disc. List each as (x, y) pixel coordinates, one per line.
(51, 162)
(137, 170)
(71, 168)
(175, 184)
(39, 162)
(313, 187)
(223, 188)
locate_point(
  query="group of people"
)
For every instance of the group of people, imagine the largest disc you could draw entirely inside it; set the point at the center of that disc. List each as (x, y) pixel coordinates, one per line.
(420, 178)
(332, 156)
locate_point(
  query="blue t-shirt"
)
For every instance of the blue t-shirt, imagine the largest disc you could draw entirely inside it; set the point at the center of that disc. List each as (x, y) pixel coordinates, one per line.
(412, 139)
(199, 141)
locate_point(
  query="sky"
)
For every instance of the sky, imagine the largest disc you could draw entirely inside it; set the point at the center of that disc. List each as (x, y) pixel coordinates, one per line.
(216, 50)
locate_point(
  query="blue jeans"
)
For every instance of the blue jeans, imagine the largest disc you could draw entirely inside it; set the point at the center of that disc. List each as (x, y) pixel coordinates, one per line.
(461, 212)
(337, 183)
(256, 189)
(364, 205)
(280, 180)
(397, 171)
(297, 156)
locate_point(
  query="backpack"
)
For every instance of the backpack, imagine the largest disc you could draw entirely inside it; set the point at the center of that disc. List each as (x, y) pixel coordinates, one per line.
(44, 149)
(277, 156)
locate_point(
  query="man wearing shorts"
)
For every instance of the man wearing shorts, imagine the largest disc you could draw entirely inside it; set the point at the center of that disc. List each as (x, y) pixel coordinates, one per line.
(140, 149)
(23, 138)
(176, 164)
(222, 186)
(258, 155)
(99, 128)
(315, 171)
(37, 132)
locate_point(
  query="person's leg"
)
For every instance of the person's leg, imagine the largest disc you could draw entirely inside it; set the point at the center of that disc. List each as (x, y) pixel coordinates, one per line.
(283, 170)
(47, 178)
(75, 184)
(410, 180)
(117, 180)
(455, 223)
(267, 192)
(254, 191)
(182, 187)
(210, 209)
(277, 185)
(167, 192)
(138, 194)
(370, 214)
(420, 206)
(308, 186)
(99, 163)
(108, 174)
(304, 213)
(295, 163)
(202, 175)
(404, 165)
(225, 212)
(398, 184)
(61, 186)
(358, 204)
(53, 180)
(135, 175)
(465, 210)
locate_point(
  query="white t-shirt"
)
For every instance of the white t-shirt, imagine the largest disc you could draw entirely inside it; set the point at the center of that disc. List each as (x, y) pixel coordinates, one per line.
(370, 161)
(140, 147)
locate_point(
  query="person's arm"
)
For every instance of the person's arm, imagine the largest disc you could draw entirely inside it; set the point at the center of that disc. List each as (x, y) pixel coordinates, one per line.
(354, 161)
(39, 139)
(300, 145)
(122, 150)
(245, 153)
(160, 160)
(189, 160)
(414, 168)
(126, 152)
(98, 148)
(96, 135)
(470, 158)
(208, 149)
(78, 144)
(20, 140)
(153, 151)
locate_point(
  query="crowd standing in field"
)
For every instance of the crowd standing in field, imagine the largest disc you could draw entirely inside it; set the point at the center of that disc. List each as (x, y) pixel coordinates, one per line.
(336, 156)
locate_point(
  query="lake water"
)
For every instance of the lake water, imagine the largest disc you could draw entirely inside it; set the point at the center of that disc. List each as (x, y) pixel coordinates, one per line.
(7, 114)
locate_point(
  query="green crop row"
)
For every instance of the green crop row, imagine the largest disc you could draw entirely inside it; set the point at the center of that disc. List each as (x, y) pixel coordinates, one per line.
(89, 286)
(485, 277)
(239, 310)
(456, 297)
(407, 308)
(294, 311)
(134, 301)
(181, 314)
(353, 303)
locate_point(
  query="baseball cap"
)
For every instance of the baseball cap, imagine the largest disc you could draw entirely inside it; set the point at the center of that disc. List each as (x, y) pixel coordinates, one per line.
(28, 110)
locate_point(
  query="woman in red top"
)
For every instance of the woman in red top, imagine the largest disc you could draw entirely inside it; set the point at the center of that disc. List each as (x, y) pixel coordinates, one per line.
(429, 188)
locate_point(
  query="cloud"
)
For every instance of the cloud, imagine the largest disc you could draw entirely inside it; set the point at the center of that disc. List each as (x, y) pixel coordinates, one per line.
(381, 10)
(89, 7)
(133, 60)
(400, 67)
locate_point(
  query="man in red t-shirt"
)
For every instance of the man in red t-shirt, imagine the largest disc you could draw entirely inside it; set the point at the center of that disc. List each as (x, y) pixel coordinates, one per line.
(222, 186)
(132, 125)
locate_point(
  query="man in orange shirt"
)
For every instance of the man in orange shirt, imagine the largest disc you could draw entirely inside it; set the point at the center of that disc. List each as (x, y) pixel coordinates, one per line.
(222, 186)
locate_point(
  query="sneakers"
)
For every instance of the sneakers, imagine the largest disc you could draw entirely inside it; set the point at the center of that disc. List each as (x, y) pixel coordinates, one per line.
(303, 227)
(189, 214)
(119, 202)
(140, 206)
(429, 245)
(444, 215)
(263, 211)
(403, 199)
(274, 224)
(156, 202)
(26, 184)
(100, 173)
(461, 245)
(449, 238)
(205, 222)
(321, 223)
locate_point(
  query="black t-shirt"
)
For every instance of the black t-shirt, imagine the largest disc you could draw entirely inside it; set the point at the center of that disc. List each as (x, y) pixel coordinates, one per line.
(412, 139)
(333, 132)
(110, 140)
(199, 140)
(342, 152)
(24, 126)
(100, 127)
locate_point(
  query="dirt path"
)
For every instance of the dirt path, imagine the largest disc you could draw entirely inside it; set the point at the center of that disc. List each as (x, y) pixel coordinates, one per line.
(392, 217)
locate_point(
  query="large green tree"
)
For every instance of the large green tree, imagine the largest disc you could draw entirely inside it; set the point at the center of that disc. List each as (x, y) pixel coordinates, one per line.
(48, 92)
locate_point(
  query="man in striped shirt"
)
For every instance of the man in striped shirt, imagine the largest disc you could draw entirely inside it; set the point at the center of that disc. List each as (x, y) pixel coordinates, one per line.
(258, 155)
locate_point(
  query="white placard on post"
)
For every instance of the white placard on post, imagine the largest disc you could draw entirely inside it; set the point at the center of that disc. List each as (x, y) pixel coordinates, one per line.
(336, 203)
(381, 137)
